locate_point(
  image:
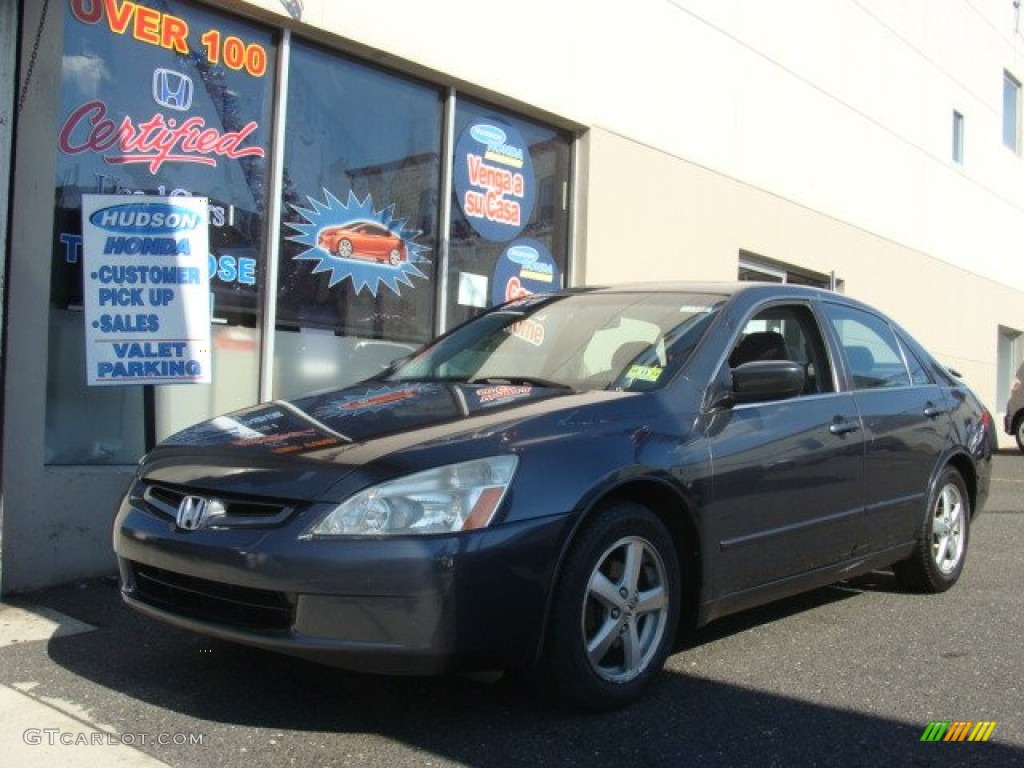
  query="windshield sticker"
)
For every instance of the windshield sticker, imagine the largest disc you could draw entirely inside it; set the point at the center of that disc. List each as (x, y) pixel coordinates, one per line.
(649, 373)
(353, 240)
(528, 330)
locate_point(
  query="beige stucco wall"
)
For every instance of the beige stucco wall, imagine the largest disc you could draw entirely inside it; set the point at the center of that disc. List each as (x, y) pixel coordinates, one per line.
(650, 216)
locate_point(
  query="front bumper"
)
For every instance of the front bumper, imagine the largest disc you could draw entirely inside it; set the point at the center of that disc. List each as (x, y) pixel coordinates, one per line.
(410, 605)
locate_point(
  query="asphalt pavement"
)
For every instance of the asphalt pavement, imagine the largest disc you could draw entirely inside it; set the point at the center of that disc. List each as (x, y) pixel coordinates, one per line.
(850, 675)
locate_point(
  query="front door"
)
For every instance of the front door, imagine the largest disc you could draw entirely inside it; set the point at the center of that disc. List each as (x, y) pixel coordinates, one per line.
(787, 474)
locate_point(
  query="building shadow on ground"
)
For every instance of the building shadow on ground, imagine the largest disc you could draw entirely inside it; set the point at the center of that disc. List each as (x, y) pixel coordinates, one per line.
(232, 692)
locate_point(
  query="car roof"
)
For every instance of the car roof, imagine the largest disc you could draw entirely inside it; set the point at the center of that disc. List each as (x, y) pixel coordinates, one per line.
(725, 288)
(741, 293)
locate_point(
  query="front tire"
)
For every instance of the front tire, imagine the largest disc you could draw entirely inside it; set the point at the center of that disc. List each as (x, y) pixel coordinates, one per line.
(941, 550)
(1018, 432)
(614, 612)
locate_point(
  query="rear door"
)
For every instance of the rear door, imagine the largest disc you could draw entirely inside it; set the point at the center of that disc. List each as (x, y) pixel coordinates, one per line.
(906, 424)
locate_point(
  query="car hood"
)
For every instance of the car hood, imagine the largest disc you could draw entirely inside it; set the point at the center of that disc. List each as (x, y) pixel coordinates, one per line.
(353, 415)
(310, 443)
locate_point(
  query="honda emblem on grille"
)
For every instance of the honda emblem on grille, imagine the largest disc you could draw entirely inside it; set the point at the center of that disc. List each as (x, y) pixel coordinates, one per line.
(191, 512)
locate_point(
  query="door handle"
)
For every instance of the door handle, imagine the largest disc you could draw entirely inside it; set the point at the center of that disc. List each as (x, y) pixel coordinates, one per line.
(931, 410)
(842, 426)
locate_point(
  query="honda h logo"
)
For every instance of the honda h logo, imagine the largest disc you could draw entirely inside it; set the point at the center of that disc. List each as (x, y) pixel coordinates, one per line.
(192, 512)
(172, 89)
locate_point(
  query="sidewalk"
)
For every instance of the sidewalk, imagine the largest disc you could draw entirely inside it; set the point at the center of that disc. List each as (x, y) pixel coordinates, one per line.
(41, 732)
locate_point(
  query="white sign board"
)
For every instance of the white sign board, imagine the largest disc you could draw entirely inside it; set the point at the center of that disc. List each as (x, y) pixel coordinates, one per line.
(146, 289)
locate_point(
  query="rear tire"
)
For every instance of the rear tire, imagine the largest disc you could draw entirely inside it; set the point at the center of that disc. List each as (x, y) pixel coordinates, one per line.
(1018, 432)
(941, 550)
(614, 611)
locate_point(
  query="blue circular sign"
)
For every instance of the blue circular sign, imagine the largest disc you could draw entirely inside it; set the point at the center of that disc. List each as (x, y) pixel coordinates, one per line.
(494, 179)
(526, 267)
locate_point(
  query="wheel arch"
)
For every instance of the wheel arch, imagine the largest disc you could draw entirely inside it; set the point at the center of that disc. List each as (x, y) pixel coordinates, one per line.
(673, 509)
(1016, 421)
(965, 466)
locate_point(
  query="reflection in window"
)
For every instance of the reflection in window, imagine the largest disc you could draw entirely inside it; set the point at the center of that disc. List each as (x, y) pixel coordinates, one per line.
(546, 201)
(506, 241)
(362, 154)
(872, 353)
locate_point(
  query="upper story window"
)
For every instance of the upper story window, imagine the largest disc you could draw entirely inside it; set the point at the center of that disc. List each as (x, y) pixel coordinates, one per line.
(760, 269)
(958, 138)
(1011, 112)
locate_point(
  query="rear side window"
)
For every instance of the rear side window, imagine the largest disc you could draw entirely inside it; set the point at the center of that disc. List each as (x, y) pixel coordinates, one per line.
(918, 373)
(873, 355)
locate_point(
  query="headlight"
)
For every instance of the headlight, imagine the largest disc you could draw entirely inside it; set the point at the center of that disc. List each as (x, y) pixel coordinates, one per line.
(457, 497)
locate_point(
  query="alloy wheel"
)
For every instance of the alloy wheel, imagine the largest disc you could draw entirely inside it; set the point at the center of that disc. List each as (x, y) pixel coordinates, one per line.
(948, 529)
(625, 610)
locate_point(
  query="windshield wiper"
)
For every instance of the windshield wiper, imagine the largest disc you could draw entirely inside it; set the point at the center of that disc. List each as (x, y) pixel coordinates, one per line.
(521, 380)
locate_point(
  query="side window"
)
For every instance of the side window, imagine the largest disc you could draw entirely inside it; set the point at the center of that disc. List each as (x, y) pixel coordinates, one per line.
(786, 332)
(918, 373)
(873, 355)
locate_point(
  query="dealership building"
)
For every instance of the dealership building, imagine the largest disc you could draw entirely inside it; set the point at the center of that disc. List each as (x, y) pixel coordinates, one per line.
(358, 177)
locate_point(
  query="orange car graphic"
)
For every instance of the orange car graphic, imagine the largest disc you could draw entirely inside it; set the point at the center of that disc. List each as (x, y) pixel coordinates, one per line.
(364, 240)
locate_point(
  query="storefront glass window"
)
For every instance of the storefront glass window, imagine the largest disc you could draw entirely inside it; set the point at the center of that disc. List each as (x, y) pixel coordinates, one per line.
(173, 99)
(510, 221)
(359, 250)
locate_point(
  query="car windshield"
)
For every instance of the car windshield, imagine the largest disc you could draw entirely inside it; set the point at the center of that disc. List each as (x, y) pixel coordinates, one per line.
(583, 341)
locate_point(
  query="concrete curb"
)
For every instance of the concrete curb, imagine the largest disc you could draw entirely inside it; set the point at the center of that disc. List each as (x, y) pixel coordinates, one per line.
(35, 734)
(39, 733)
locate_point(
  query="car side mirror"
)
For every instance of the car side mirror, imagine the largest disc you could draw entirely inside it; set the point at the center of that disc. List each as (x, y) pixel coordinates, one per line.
(765, 380)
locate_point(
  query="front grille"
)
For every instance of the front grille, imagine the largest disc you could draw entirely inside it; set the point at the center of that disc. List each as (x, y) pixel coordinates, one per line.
(213, 601)
(237, 513)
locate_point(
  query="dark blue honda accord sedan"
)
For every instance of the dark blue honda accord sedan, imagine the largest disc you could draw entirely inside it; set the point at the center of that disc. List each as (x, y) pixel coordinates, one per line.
(564, 483)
